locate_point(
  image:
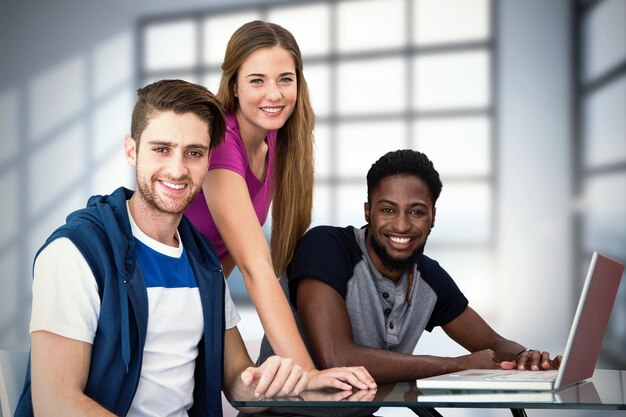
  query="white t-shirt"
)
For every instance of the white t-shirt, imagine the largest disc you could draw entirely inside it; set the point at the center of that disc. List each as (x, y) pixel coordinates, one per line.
(66, 302)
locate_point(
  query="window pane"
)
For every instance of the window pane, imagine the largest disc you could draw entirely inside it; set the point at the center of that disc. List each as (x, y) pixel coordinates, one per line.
(217, 30)
(9, 229)
(349, 207)
(211, 80)
(299, 20)
(186, 76)
(364, 83)
(465, 211)
(604, 34)
(473, 271)
(55, 213)
(456, 146)
(456, 80)
(322, 210)
(364, 87)
(605, 125)
(66, 81)
(370, 24)
(439, 21)
(604, 223)
(110, 173)
(47, 186)
(170, 45)
(361, 144)
(318, 79)
(9, 125)
(110, 120)
(15, 295)
(323, 151)
(107, 77)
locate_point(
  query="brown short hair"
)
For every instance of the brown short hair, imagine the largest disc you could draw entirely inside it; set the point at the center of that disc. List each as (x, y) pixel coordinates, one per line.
(180, 97)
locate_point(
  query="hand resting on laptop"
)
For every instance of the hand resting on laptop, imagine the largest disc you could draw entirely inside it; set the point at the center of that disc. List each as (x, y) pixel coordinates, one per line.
(528, 359)
(534, 360)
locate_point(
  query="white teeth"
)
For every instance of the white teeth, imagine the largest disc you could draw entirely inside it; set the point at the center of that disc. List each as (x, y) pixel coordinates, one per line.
(400, 239)
(271, 109)
(174, 186)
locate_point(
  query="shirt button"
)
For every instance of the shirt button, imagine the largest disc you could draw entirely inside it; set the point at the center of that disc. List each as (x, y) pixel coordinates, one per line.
(385, 295)
(387, 311)
(391, 326)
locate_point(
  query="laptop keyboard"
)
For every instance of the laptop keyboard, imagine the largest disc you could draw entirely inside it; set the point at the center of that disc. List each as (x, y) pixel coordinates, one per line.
(525, 375)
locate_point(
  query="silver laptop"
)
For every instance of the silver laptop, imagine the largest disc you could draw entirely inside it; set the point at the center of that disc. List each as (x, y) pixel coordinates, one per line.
(581, 352)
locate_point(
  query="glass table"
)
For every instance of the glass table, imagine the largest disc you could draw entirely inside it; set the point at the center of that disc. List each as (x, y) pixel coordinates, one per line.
(606, 390)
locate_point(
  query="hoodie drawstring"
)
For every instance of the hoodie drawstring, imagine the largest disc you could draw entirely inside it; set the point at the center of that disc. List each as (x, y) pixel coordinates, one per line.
(118, 241)
(124, 326)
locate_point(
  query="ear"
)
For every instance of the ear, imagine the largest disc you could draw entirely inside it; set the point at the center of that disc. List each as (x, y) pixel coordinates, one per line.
(366, 207)
(130, 150)
(432, 223)
(235, 90)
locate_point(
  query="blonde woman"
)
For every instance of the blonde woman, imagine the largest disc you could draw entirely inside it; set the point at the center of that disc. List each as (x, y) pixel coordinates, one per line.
(266, 157)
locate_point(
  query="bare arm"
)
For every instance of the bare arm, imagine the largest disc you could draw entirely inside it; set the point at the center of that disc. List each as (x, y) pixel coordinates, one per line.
(230, 205)
(325, 318)
(470, 331)
(60, 367)
(236, 359)
(228, 265)
(474, 334)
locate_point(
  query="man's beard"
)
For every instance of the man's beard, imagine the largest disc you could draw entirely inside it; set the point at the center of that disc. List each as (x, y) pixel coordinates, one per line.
(391, 263)
(147, 190)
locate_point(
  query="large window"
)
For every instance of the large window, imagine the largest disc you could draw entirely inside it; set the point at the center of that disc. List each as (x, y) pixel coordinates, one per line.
(600, 27)
(383, 75)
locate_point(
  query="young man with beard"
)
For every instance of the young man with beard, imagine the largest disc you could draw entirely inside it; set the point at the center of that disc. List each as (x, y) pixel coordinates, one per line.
(364, 296)
(129, 300)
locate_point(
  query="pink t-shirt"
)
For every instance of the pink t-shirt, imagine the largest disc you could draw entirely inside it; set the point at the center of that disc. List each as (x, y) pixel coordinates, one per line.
(231, 154)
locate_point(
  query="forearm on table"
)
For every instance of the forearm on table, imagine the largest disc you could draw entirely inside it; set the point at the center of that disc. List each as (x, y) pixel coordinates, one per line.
(236, 360)
(385, 365)
(472, 332)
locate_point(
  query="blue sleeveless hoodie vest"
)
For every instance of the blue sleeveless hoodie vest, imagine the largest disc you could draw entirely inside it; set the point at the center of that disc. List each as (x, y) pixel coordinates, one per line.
(102, 233)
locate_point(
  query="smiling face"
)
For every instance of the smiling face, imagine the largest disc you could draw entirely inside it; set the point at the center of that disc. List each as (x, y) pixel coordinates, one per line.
(171, 162)
(400, 216)
(266, 89)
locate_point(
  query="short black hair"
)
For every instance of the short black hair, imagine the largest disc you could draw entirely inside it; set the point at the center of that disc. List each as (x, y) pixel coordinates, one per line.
(404, 162)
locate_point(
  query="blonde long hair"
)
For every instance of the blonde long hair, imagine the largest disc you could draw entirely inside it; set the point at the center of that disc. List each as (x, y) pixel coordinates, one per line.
(293, 187)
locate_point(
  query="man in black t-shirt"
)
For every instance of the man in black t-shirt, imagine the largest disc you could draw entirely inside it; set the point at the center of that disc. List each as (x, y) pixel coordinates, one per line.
(364, 296)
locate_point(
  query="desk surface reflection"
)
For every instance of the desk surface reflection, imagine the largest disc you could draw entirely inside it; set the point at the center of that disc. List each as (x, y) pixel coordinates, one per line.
(606, 390)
